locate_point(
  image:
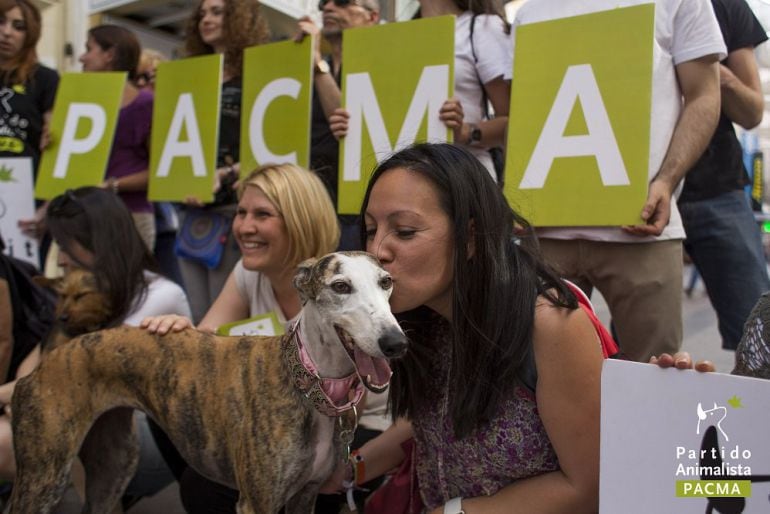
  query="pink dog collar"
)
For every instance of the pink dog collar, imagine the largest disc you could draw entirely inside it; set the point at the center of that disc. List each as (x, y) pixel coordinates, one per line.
(330, 396)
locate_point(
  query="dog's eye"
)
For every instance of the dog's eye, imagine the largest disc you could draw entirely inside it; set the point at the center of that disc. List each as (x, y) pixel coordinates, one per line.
(341, 287)
(386, 283)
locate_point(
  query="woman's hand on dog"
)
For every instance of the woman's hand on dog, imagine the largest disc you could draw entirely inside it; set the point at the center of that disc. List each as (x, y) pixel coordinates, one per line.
(162, 325)
(682, 360)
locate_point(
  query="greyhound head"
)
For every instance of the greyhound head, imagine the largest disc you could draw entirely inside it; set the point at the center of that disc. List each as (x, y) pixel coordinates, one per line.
(350, 291)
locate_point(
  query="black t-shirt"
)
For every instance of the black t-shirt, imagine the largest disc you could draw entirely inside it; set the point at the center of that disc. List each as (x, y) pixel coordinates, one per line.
(324, 148)
(22, 107)
(228, 151)
(720, 169)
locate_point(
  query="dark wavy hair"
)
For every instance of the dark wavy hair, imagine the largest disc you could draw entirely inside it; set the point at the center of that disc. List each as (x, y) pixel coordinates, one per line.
(21, 67)
(125, 46)
(243, 27)
(491, 7)
(98, 221)
(494, 292)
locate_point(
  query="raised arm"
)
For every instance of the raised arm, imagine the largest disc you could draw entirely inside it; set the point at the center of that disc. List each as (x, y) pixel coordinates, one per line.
(742, 99)
(493, 131)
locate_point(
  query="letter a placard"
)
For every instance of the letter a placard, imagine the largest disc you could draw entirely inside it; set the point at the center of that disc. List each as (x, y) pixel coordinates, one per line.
(579, 129)
(185, 129)
(82, 129)
(277, 94)
(393, 100)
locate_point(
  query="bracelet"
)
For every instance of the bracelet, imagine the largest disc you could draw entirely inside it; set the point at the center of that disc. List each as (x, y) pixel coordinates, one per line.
(114, 185)
(359, 467)
(454, 506)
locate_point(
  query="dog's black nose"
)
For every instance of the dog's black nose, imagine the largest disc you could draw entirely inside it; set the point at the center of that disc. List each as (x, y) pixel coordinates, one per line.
(64, 317)
(392, 343)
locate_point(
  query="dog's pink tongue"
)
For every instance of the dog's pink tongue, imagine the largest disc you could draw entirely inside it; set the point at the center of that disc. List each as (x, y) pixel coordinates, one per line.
(374, 371)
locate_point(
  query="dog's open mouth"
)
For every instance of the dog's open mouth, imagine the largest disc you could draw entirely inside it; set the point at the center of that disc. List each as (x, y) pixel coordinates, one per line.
(374, 371)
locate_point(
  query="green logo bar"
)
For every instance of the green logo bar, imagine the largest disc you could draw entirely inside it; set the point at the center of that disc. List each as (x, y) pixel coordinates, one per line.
(713, 488)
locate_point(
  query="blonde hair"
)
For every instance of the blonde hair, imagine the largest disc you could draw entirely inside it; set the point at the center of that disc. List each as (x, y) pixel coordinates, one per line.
(150, 58)
(308, 212)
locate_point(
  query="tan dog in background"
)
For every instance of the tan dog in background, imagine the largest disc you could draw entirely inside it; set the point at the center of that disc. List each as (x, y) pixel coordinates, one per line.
(243, 411)
(80, 307)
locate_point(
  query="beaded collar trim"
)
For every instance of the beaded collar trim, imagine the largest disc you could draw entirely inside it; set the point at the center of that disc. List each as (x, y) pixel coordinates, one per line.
(329, 396)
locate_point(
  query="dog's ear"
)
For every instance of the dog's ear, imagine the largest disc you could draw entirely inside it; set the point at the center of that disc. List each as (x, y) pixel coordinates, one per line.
(303, 280)
(49, 283)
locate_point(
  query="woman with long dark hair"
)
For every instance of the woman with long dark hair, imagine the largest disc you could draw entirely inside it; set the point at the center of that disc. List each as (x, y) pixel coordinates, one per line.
(95, 231)
(28, 90)
(483, 313)
(29, 87)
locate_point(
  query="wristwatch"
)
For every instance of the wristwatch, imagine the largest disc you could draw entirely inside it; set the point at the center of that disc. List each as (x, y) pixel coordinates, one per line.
(322, 67)
(474, 137)
(454, 506)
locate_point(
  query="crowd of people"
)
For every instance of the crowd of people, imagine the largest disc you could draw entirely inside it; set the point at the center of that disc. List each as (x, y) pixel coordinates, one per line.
(513, 351)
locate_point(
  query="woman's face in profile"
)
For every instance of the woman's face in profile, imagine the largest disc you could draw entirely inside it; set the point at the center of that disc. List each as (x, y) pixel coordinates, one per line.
(95, 57)
(73, 257)
(412, 236)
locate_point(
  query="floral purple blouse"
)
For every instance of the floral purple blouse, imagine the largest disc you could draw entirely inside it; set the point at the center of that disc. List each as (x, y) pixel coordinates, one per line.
(513, 445)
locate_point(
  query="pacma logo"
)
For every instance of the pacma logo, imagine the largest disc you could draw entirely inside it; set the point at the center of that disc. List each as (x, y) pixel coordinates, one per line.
(711, 417)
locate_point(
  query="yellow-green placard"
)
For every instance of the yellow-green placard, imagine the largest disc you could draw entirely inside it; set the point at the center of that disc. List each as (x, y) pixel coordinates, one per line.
(259, 325)
(394, 98)
(185, 129)
(83, 123)
(579, 129)
(277, 101)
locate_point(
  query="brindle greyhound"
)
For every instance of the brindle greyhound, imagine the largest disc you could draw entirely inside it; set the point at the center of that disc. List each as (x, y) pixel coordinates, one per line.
(250, 412)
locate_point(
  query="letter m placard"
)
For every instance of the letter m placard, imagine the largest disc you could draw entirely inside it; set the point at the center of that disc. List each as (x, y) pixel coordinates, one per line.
(393, 99)
(579, 129)
(82, 129)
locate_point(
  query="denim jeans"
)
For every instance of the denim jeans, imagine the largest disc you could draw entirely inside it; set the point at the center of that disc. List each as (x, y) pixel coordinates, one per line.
(725, 244)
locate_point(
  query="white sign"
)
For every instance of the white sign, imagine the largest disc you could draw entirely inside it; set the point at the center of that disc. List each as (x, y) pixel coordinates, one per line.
(683, 442)
(17, 203)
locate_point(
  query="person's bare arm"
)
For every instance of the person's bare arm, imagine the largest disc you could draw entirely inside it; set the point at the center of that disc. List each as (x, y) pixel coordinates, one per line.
(380, 454)
(326, 87)
(26, 367)
(493, 131)
(742, 99)
(568, 356)
(699, 82)
(228, 307)
(6, 328)
(135, 182)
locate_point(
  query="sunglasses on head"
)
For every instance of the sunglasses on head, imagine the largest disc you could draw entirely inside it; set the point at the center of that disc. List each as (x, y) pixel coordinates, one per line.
(339, 3)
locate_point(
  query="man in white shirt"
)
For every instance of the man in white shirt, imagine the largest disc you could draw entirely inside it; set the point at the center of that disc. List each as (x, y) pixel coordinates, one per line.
(638, 269)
